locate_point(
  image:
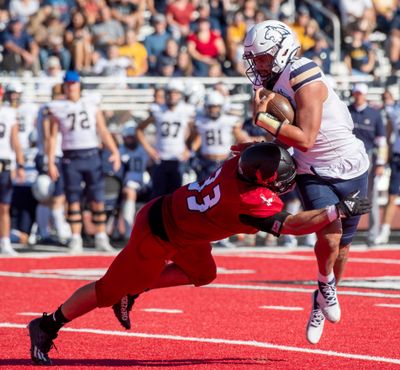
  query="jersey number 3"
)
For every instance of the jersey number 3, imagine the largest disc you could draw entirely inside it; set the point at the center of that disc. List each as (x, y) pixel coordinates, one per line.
(208, 201)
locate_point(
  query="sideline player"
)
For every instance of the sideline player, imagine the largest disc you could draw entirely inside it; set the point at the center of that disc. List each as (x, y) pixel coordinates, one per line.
(135, 163)
(173, 121)
(81, 122)
(10, 148)
(331, 161)
(57, 200)
(241, 196)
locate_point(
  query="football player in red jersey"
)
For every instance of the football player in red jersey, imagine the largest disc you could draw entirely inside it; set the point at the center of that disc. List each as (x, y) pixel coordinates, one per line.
(242, 196)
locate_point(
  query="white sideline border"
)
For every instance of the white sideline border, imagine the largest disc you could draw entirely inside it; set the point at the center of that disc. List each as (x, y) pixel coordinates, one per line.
(220, 341)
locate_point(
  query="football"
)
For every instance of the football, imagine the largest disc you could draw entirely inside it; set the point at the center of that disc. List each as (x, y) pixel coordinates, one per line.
(279, 107)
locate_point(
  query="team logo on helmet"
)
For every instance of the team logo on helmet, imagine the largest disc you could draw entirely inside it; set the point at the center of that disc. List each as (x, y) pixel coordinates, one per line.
(275, 34)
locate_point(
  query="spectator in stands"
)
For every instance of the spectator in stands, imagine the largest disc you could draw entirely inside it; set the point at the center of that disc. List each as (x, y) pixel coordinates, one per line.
(392, 111)
(273, 9)
(236, 32)
(165, 66)
(63, 8)
(385, 11)
(50, 41)
(359, 55)
(357, 12)
(249, 10)
(156, 42)
(130, 13)
(300, 26)
(179, 15)
(171, 50)
(369, 128)
(394, 39)
(184, 65)
(23, 9)
(78, 40)
(20, 50)
(113, 65)
(107, 32)
(136, 52)
(320, 53)
(205, 47)
(90, 10)
(204, 12)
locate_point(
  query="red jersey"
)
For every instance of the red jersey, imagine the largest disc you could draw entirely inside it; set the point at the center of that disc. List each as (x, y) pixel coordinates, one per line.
(207, 48)
(209, 210)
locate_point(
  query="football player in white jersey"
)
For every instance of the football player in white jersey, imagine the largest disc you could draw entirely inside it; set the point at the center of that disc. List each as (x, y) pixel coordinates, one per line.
(135, 162)
(54, 206)
(215, 133)
(81, 123)
(26, 112)
(331, 161)
(10, 150)
(170, 153)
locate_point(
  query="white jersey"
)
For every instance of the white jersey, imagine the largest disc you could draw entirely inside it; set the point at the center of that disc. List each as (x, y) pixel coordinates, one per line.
(216, 134)
(77, 123)
(171, 129)
(8, 118)
(43, 112)
(26, 117)
(135, 162)
(336, 153)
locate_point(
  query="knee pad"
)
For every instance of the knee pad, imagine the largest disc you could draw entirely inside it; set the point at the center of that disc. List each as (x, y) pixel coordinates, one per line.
(75, 220)
(99, 217)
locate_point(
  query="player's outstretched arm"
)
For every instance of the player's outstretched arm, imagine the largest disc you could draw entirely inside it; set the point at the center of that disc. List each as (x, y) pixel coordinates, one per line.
(310, 221)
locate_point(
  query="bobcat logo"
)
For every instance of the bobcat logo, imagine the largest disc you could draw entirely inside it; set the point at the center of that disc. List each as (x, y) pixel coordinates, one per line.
(275, 34)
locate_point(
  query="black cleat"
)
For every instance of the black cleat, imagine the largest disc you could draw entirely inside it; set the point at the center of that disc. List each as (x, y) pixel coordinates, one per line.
(123, 308)
(41, 343)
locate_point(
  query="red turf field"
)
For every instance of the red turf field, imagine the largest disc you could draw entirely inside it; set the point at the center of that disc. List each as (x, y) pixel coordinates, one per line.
(252, 317)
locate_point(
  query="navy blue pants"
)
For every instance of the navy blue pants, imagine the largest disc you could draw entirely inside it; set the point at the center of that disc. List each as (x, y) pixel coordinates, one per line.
(318, 193)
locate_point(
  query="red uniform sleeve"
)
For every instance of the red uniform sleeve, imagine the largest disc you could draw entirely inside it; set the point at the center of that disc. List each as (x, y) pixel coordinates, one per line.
(260, 202)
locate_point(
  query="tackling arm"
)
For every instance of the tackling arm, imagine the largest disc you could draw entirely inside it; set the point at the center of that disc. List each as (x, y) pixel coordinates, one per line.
(309, 221)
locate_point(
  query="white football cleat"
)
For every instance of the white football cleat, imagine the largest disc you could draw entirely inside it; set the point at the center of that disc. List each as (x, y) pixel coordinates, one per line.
(75, 245)
(102, 243)
(315, 325)
(8, 250)
(328, 301)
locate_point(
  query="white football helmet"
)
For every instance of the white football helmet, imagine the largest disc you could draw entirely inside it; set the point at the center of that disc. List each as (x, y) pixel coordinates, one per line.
(273, 38)
(43, 188)
(213, 103)
(15, 86)
(214, 98)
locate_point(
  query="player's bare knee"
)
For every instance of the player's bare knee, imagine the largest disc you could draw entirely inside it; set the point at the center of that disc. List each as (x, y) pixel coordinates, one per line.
(329, 241)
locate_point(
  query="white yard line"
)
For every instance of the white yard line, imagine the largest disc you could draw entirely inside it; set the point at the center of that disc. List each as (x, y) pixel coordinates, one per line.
(390, 305)
(282, 308)
(231, 342)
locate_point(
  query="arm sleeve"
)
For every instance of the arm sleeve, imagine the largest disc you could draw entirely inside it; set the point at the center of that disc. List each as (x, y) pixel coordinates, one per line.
(272, 224)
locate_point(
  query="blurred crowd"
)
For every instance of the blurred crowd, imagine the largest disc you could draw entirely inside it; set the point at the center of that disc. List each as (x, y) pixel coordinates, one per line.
(186, 37)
